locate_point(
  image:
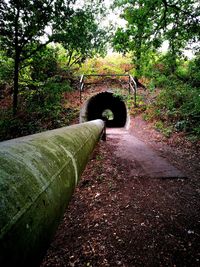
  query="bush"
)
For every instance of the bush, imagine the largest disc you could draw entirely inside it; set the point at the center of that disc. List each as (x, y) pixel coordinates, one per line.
(111, 64)
(6, 69)
(46, 99)
(194, 71)
(178, 104)
(41, 110)
(161, 81)
(44, 64)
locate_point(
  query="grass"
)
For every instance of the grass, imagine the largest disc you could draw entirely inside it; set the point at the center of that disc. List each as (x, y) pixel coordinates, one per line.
(110, 64)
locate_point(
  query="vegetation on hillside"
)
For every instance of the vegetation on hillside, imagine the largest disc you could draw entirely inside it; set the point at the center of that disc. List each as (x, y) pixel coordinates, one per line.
(148, 25)
(44, 45)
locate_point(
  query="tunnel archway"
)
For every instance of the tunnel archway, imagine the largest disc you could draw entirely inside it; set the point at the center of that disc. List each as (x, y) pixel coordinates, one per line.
(106, 106)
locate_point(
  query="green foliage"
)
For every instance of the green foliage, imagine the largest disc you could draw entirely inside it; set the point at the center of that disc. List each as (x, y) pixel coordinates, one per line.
(151, 86)
(110, 64)
(22, 24)
(81, 37)
(194, 71)
(46, 98)
(44, 64)
(137, 36)
(124, 96)
(150, 23)
(42, 110)
(175, 95)
(23, 32)
(165, 130)
(161, 81)
(6, 68)
(177, 105)
(108, 114)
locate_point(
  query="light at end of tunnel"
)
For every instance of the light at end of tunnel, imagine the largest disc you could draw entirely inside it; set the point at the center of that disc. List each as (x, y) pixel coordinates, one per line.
(108, 114)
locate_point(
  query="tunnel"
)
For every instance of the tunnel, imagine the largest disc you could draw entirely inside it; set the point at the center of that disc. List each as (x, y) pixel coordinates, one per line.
(107, 106)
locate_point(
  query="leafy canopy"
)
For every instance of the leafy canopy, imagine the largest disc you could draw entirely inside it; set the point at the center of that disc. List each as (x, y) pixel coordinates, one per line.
(26, 26)
(149, 23)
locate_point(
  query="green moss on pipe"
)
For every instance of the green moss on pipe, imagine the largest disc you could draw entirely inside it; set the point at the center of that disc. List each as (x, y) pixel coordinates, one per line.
(38, 174)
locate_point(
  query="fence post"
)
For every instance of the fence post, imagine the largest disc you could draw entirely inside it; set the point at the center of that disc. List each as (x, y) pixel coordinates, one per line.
(81, 86)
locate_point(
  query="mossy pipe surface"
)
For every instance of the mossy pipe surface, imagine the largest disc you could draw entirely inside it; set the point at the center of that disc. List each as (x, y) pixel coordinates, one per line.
(38, 174)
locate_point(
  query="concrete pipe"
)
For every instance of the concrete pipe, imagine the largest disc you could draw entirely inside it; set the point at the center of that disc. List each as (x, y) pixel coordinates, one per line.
(38, 174)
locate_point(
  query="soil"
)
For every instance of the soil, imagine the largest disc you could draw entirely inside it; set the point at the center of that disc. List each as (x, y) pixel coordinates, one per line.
(119, 218)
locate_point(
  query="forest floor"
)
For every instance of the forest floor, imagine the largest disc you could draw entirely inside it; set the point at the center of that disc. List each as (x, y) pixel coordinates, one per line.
(121, 217)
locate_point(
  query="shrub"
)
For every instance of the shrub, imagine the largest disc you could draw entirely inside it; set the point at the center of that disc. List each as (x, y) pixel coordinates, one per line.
(194, 71)
(178, 104)
(44, 64)
(46, 99)
(6, 68)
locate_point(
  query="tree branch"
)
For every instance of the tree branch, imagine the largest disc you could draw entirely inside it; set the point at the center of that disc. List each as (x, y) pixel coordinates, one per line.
(75, 61)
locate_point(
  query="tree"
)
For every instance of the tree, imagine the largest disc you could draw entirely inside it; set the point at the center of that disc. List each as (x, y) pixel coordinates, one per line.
(180, 24)
(28, 25)
(81, 37)
(149, 23)
(137, 37)
(22, 23)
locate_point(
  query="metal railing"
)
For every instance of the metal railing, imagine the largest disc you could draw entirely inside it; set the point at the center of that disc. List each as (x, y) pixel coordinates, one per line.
(132, 85)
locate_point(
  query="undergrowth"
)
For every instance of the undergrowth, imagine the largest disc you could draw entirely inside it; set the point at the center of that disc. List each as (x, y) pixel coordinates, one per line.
(177, 108)
(42, 109)
(172, 100)
(111, 64)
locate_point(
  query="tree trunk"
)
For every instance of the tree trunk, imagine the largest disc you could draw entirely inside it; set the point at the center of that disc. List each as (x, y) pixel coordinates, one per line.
(138, 55)
(17, 59)
(173, 59)
(16, 84)
(173, 51)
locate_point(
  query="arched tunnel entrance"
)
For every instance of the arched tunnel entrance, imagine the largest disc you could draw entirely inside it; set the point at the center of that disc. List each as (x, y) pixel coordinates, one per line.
(106, 106)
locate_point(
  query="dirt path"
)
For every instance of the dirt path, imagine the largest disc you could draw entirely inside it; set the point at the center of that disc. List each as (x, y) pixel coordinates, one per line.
(120, 217)
(145, 162)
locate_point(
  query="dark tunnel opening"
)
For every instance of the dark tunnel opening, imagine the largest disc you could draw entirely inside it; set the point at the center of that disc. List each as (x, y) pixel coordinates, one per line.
(105, 106)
